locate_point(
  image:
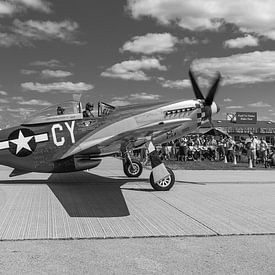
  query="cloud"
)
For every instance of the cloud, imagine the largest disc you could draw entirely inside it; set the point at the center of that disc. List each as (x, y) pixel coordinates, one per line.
(63, 87)
(133, 98)
(151, 43)
(27, 72)
(11, 7)
(36, 102)
(53, 63)
(249, 15)
(133, 69)
(144, 96)
(191, 41)
(4, 101)
(177, 84)
(55, 74)
(17, 98)
(25, 33)
(242, 42)
(39, 5)
(118, 103)
(46, 30)
(21, 111)
(234, 107)
(227, 100)
(259, 104)
(6, 8)
(3, 93)
(248, 68)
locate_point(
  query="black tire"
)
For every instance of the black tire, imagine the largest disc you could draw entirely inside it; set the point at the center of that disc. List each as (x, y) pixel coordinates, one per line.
(164, 185)
(134, 170)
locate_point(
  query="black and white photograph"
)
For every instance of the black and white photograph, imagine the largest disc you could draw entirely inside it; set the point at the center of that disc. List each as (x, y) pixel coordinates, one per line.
(137, 137)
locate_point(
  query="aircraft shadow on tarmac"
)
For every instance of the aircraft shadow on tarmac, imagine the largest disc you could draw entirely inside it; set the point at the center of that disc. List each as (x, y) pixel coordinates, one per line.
(86, 195)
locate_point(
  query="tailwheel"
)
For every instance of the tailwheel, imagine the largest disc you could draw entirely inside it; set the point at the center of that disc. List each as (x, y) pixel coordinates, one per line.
(132, 169)
(165, 184)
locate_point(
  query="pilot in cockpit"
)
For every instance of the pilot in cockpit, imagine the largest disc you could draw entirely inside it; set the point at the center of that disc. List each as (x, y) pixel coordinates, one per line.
(60, 110)
(88, 110)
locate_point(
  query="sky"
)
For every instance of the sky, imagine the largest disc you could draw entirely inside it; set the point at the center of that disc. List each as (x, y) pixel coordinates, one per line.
(134, 51)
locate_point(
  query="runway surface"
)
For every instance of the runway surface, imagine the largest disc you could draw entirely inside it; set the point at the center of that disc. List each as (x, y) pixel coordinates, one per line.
(103, 203)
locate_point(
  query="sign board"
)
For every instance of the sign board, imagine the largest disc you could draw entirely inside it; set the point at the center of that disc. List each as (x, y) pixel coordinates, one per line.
(231, 117)
(246, 117)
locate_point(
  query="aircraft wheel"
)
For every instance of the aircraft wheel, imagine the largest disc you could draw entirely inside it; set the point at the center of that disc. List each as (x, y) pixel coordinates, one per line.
(134, 170)
(165, 184)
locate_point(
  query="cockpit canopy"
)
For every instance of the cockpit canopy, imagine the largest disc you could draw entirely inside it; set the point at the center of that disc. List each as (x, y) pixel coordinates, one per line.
(69, 110)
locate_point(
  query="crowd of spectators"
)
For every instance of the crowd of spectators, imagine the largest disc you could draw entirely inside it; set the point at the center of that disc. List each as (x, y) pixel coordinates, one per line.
(221, 148)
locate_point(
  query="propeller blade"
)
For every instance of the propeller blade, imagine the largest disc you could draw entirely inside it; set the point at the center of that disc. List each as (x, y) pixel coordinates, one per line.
(195, 86)
(211, 94)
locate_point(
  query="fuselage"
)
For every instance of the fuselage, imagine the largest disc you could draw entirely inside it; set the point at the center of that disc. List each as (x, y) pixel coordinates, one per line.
(75, 144)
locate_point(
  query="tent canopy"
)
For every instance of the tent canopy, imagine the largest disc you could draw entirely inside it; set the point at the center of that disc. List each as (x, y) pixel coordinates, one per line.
(213, 132)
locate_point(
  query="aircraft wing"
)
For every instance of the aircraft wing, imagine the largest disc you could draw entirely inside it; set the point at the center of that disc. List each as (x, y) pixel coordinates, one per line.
(85, 145)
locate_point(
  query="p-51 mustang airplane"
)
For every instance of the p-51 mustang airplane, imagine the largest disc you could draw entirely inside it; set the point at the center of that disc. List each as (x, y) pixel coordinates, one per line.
(67, 141)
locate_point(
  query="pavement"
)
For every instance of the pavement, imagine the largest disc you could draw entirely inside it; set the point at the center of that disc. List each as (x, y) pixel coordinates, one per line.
(104, 203)
(230, 211)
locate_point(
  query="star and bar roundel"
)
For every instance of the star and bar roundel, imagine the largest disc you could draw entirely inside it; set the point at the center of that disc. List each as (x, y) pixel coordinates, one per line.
(22, 142)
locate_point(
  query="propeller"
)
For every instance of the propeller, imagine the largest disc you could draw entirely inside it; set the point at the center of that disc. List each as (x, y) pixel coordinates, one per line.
(208, 101)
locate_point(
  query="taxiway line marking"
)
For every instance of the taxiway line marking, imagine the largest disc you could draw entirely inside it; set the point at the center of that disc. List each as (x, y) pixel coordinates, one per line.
(194, 219)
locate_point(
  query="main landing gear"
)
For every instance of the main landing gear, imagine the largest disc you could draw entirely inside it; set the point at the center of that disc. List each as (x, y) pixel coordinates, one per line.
(164, 184)
(132, 168)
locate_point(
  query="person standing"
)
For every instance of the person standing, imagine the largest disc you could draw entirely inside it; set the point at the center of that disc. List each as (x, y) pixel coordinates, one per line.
(263, 151)
(230, 149)
(251, 146)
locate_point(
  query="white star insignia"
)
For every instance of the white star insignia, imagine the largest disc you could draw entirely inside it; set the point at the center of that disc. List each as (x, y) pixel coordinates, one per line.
(22, 142)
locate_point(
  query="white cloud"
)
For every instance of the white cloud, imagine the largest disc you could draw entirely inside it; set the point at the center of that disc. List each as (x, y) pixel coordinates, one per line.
(191, 41)
(18, 98)
(28, 72)
(132, 98)
(242, 42)
(36, 102)
(4, 101)
(151, 43)
(144, 96)
(235, 107)
(177, 84)
(39, 5)
(53, 63)
(248, 68)
(46, 30)
(227, 100)
(133, 69)
(3, 93)
(63, 87)
(259, 104)
(26, 33)
(117, 102)
(11, 7)
(249, 15)
(6, 8)
(55, 74)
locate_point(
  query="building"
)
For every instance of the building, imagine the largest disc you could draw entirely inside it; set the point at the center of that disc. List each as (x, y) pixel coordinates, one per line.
(243, 123)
